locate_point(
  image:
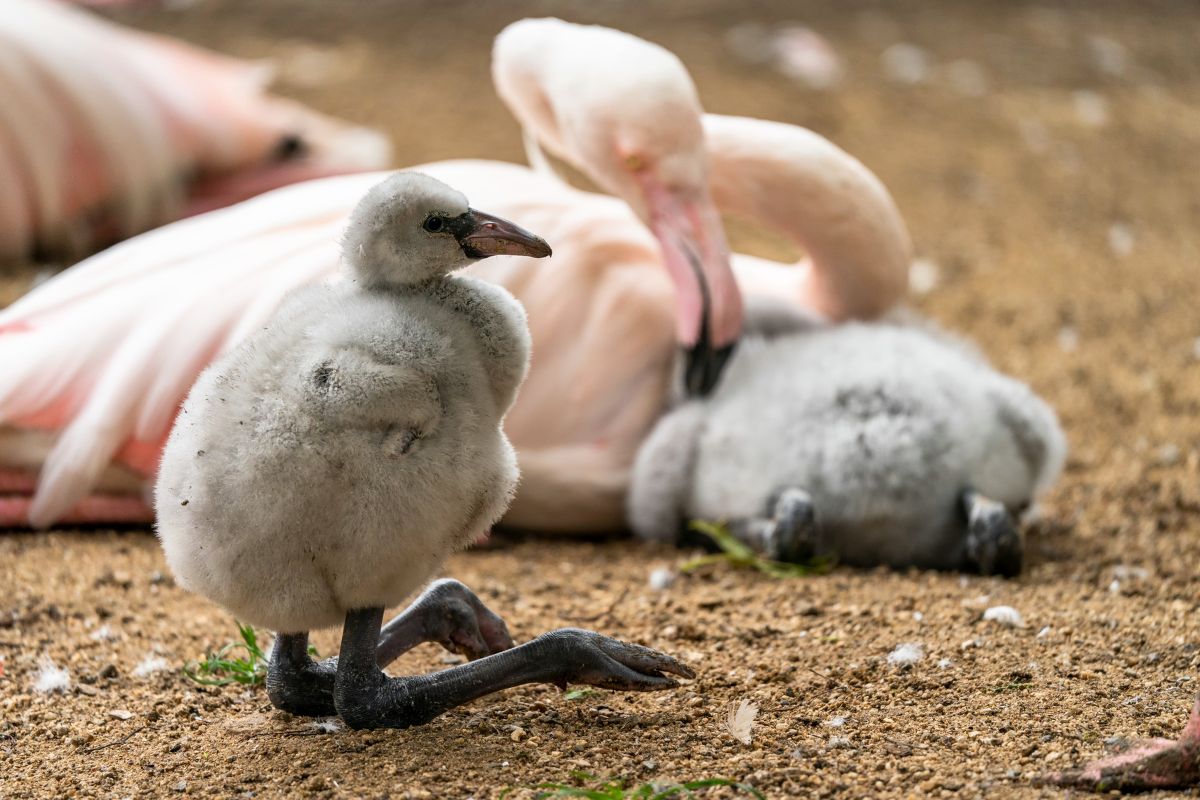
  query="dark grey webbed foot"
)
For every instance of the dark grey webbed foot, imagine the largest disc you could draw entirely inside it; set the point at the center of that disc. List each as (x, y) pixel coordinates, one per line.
(792, 534)
(993, 544)
(448, 613)
(366, 698)
(296, 683)
(594, 659)
(787, 533)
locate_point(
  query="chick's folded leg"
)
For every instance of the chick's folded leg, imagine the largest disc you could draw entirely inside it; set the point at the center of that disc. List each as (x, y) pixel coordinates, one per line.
(789, 533)
(993, 544)
(367, 698)
(447, 612)
(297, 684)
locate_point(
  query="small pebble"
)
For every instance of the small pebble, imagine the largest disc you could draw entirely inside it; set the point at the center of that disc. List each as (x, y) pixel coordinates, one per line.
(1108, 55)
(1120, 239)
(1004, 615)
(805, 56)
(750, 42)
(1068, 339)
(662, 578)
(967, 78)
(1124, 572)
(1034, 134)
(1169, 455)
(923, 276)
(121, 713)
(1091, 108)
(905, 63)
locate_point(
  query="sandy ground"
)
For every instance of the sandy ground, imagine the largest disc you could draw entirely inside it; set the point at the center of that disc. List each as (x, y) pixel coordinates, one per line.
(1052, 190)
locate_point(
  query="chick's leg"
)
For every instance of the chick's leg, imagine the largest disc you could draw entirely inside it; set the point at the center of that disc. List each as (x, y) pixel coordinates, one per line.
(787, 533)
(993, 545)
(447, 612)
(366, 698)
(296, 683)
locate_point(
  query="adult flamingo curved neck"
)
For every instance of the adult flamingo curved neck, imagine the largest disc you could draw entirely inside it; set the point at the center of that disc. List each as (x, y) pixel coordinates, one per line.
(799, 184)
(633, 123)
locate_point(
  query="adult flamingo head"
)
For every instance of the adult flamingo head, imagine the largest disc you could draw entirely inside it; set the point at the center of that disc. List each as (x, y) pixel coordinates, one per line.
(625, 112)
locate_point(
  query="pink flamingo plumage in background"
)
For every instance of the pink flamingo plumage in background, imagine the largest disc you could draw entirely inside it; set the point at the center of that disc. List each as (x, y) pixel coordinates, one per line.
(98, 359)
(106, 132)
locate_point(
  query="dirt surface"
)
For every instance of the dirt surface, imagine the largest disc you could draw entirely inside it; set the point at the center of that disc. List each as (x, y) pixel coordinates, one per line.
(1051, 188)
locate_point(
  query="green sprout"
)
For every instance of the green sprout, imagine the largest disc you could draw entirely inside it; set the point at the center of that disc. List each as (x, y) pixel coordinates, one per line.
(578, 694)
(218, 669)
(738, 554)
(614, 789)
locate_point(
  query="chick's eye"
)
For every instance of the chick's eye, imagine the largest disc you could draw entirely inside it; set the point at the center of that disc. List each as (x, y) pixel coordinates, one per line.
(433, 224)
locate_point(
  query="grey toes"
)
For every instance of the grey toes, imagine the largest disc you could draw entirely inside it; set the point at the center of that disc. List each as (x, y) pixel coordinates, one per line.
(461, 623)
(994, 544)
(644, 659)
(591, 658)
(791, 534)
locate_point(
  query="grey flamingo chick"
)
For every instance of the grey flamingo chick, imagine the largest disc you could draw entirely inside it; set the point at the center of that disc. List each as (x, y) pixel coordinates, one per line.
(875, 443)
(326, 467)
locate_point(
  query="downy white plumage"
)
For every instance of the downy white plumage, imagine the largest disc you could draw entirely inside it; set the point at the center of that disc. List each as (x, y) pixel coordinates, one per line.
(335, 458)
(325, 468)
(885, 443)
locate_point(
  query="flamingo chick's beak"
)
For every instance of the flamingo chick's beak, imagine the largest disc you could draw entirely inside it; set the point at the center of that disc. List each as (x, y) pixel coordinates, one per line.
(695, 253)
(481, 235)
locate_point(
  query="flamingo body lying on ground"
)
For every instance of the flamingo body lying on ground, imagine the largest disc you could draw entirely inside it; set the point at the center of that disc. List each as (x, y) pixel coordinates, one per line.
(103, 355)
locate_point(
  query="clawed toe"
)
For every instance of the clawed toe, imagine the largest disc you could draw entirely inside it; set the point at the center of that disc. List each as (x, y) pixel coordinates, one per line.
(644, 659)
(597, 660)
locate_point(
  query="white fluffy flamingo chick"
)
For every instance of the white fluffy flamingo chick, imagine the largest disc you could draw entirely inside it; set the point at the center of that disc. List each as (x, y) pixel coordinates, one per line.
(326, 467)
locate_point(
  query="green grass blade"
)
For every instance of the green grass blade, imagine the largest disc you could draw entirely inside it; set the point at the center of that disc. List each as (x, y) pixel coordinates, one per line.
(737, 554)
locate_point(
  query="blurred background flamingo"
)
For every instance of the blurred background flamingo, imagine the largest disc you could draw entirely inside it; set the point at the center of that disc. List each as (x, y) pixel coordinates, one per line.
(102, 355)
(106, 132)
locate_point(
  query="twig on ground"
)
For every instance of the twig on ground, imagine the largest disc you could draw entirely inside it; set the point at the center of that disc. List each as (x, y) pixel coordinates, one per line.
(606, 612)
(827, 677)
(116, 742)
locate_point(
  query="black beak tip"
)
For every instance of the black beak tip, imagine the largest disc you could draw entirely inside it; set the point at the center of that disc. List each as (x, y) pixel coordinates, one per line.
(703, 367)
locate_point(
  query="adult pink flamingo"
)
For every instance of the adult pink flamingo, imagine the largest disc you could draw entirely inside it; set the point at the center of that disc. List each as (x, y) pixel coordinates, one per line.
(102, 355)
(106, 132)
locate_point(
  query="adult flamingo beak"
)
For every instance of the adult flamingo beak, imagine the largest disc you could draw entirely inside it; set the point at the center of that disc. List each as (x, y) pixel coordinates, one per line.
(709, 304)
